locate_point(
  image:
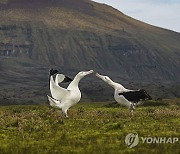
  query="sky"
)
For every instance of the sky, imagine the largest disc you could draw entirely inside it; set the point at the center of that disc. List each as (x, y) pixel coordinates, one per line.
(161, 13)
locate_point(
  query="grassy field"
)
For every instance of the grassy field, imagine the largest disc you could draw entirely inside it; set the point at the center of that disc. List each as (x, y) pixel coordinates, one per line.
(90, 128)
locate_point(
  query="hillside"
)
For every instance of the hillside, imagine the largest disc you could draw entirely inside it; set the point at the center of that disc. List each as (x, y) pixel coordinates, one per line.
(75, 35)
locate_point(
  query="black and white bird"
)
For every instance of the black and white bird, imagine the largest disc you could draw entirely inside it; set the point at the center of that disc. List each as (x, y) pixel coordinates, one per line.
(63, 98)
(126, 97)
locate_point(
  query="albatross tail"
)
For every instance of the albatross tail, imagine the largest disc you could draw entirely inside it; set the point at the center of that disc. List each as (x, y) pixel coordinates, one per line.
(54, 103)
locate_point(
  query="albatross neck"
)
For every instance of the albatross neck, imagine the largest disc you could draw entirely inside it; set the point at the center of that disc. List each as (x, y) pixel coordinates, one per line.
(75, 82)
(113, 84)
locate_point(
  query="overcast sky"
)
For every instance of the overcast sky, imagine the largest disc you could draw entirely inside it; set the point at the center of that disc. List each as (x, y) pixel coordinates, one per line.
(162, 13)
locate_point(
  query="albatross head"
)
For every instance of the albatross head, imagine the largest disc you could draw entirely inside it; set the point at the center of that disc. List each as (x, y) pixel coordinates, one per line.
(82, 74)
(104, 78)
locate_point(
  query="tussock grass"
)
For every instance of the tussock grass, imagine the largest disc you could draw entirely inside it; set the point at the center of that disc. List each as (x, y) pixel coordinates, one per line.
(90, 128)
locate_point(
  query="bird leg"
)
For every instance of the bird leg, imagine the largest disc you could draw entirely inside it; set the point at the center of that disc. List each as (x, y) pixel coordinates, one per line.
(132, 108)
(132, 112)
(64, 113)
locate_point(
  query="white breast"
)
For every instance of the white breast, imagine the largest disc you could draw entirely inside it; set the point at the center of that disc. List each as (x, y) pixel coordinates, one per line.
(75, 95)
(72, 99)
(121, 99)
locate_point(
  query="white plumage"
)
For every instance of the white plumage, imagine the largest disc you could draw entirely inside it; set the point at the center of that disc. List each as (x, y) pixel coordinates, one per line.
(65, 98)
(123, 96)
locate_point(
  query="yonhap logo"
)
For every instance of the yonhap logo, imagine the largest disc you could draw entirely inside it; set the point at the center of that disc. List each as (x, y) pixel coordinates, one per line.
(160, 139)
(132, 139)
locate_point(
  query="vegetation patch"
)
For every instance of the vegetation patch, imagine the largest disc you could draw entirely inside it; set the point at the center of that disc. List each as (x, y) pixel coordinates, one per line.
(90, 128)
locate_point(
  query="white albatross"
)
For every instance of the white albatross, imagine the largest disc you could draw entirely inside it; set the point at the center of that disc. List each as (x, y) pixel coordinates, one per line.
(65, 98)
(123, 96)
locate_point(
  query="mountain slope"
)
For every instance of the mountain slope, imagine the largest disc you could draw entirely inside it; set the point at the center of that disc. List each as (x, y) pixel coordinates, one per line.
(76, 35)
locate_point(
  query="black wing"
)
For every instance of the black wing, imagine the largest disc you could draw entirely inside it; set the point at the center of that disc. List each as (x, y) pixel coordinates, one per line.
(136, 95)
(67, 79)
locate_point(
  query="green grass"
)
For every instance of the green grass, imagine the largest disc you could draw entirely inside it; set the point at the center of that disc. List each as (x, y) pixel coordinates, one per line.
(90, 128)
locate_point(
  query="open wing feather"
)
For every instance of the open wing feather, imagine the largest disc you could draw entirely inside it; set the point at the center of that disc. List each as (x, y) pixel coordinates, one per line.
(57, 92)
